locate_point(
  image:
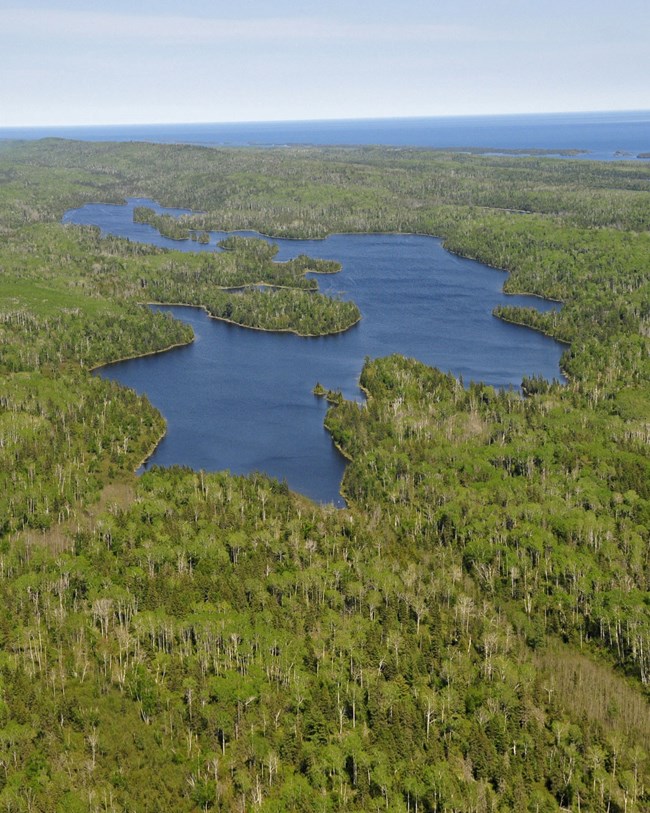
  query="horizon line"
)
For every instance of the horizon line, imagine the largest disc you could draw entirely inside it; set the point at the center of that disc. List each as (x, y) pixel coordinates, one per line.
(328, 119)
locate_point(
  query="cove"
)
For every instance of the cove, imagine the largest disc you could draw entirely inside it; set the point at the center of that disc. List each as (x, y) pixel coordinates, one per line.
(242, 400)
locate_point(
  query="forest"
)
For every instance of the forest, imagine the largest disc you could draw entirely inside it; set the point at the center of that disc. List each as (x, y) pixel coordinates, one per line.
(471, 634)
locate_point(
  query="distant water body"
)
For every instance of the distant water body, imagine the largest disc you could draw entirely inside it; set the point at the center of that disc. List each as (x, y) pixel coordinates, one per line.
(605, 136)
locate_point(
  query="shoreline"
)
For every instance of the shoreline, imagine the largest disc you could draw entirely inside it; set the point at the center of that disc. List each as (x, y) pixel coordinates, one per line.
(531, 327)
(139, 355)
(239, 324)
(344, 454)
(526, 293)
(152, 451)
(271, 236)
(544, 333)
(505, 271)
(260, 284)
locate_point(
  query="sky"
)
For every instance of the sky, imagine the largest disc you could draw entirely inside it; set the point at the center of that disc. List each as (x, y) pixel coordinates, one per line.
(74, 62)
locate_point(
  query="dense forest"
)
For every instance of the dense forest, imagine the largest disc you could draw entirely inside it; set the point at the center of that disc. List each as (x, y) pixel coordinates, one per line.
(470, 634)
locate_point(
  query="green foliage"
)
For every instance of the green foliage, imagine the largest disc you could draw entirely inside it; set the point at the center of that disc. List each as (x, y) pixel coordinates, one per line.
(470, 634)
(272, 653)
(305, 313)
(541, 500)
(167, 226)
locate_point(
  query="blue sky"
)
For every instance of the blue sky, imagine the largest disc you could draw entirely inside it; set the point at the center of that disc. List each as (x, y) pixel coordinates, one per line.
(66, 62)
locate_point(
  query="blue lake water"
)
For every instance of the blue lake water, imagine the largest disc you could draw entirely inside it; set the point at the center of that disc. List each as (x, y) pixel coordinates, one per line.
(605, 136)
(241, 400)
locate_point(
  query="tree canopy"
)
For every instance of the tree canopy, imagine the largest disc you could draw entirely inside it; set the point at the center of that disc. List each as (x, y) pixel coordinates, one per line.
(470, 634)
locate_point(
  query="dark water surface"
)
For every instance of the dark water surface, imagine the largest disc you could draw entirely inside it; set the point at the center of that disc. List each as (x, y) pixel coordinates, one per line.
(605, 136)
(241, 400)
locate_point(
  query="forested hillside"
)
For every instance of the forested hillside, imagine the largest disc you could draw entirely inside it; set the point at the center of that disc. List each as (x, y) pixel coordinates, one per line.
(471, 634)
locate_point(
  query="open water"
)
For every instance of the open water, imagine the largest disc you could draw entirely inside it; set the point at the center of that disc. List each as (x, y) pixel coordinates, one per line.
(604, 136)
(242, 400)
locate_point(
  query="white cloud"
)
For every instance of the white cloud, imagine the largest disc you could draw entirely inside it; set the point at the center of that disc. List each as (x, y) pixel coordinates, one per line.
(26, 23)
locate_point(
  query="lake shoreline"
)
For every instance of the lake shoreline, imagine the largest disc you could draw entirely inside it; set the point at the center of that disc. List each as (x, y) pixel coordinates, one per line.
(153, 449)
(249, 327)
(102, 364)
(239, 404)
(532, 327)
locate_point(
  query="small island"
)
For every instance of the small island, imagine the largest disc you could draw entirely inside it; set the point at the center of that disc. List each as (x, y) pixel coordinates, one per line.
(243, 285)
(167, 225)
(284, 310)
(331, 396)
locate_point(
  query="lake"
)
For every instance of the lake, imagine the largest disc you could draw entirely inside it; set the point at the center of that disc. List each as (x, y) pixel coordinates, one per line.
(242, 400)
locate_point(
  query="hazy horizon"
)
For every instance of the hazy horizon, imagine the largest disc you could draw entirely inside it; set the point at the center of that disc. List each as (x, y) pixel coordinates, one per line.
(121, 63)
(316, 120)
